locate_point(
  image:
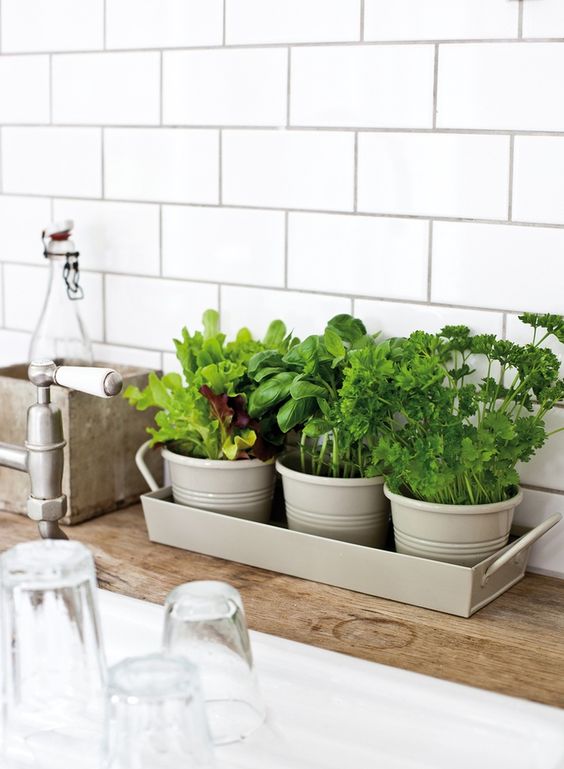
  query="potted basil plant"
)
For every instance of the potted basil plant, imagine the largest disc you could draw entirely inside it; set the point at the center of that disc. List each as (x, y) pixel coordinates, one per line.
(328, 479)
(220, 459)
(451, 442)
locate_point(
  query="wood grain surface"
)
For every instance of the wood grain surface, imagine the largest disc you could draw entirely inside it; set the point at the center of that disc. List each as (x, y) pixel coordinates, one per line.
(514, 646)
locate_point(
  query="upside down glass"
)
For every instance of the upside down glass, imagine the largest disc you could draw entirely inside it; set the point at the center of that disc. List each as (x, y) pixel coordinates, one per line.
(52, 663)
(205, 622)
(155, 716)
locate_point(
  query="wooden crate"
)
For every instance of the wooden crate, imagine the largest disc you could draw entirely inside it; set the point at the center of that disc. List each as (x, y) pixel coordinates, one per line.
(102, 437)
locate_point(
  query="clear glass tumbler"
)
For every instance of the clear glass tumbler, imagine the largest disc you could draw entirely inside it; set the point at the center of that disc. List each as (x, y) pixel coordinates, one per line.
(155, 717)
(52, 662)
(205, 622)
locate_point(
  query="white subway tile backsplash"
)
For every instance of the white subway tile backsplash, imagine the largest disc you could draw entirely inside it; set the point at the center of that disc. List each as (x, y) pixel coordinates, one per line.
(227, 87)
(546, 468)
(163, 164)
(400, 319)
(171, 363)
(14, 346)
(517, 331)
(440, 19)
(52, 161)
(543, 19)
(364, 86)
(147, 312)
(292, 21)
(297, 169)
(52, 25)
(358, 255)
(126, 356)
(21, 222)
(547, 555)
(24, 89)
(102, 88)
(25, 288)
(489, 265)
(501, 86)
(447, 175)
(163, 23)
(114, 237)
(255, 308)
(227, 245)
(538, 179)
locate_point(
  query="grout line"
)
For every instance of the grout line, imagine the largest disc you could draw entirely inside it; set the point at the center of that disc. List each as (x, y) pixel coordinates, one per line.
(102, 162)
(430, 261)
(3, 295)
(546, 489)
(219, 303)
(220, 167)
(50, 89)
(286, 217)
(104, 25)
(520, 20)
(504, 326)
(104, 313)
(290, 209)
(161, 89)
(161, 240)
(288, 87)
(435, 85)
(510, 190)
(361, 20)
(355, 174)
(1, 159)
(224, 23)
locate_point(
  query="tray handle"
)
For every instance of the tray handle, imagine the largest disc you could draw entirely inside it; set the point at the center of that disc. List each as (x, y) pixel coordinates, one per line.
(142, 466)
(520, 545)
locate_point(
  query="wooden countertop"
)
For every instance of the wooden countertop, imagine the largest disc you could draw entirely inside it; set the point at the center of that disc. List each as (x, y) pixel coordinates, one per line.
(514, 646)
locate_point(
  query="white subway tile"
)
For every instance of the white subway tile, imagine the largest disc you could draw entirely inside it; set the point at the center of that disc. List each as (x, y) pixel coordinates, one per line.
(458, 175)
(538, 187)
(547, 555)
(226, 245)
(358, 255)
(292, 21)
(364, 86)
(144, 312)
(440, 19)
(163, 23)
(171, 363)
(400, 319)
(14, 347)
(543, 19)
(114, 237)
(225, 87)
(546, 468)
(25, 288)
(52, 161)
(114, 88)
(21, 222)
(501, 86)
(296, 169)
(126, 356)
(24, 89)
(162, 164)
(52, 25)
(520, 332)
(255, 308)
(489, 265)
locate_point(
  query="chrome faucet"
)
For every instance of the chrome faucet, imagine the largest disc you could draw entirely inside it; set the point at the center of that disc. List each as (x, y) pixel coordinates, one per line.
(42, 455)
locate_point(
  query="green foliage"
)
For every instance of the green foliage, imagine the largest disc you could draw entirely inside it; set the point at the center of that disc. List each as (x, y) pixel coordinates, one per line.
(446, 436)
(206, 415)
(302, 388)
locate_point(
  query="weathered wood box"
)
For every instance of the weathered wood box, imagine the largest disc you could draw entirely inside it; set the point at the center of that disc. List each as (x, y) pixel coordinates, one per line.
(102, 437)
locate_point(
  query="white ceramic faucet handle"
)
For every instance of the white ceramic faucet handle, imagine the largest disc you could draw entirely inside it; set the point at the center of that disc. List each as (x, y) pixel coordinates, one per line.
(103, 382)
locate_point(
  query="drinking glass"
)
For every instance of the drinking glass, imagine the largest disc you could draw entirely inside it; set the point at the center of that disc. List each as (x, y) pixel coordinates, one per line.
(155, 716)
(52, 663)
(205, 622)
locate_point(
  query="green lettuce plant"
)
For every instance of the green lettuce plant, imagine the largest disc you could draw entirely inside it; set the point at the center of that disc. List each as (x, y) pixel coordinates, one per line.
(205, 414)
(443, 436)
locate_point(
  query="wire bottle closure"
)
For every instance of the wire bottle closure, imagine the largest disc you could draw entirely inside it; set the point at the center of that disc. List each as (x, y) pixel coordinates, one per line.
(71, 271)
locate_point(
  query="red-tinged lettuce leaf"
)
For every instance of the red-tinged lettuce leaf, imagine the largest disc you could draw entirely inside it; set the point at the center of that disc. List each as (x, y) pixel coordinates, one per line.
(241, 415)
(219, 404)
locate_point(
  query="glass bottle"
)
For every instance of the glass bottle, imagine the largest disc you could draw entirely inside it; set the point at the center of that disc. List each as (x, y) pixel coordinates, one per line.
(60, 334)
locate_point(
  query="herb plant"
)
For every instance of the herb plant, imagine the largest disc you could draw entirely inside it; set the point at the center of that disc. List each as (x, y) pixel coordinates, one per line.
(302, 388)
(206, 415)
(445, 437)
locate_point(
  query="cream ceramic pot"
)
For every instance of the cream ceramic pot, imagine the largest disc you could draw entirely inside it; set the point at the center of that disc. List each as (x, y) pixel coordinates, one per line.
(241, 488)
(460, 534)
(348, 509)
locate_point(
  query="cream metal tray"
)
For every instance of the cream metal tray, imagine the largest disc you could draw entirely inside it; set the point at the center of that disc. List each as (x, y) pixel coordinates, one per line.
(459, 590)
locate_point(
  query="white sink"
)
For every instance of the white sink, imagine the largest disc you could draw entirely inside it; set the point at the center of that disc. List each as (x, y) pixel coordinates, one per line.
(337, 712)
